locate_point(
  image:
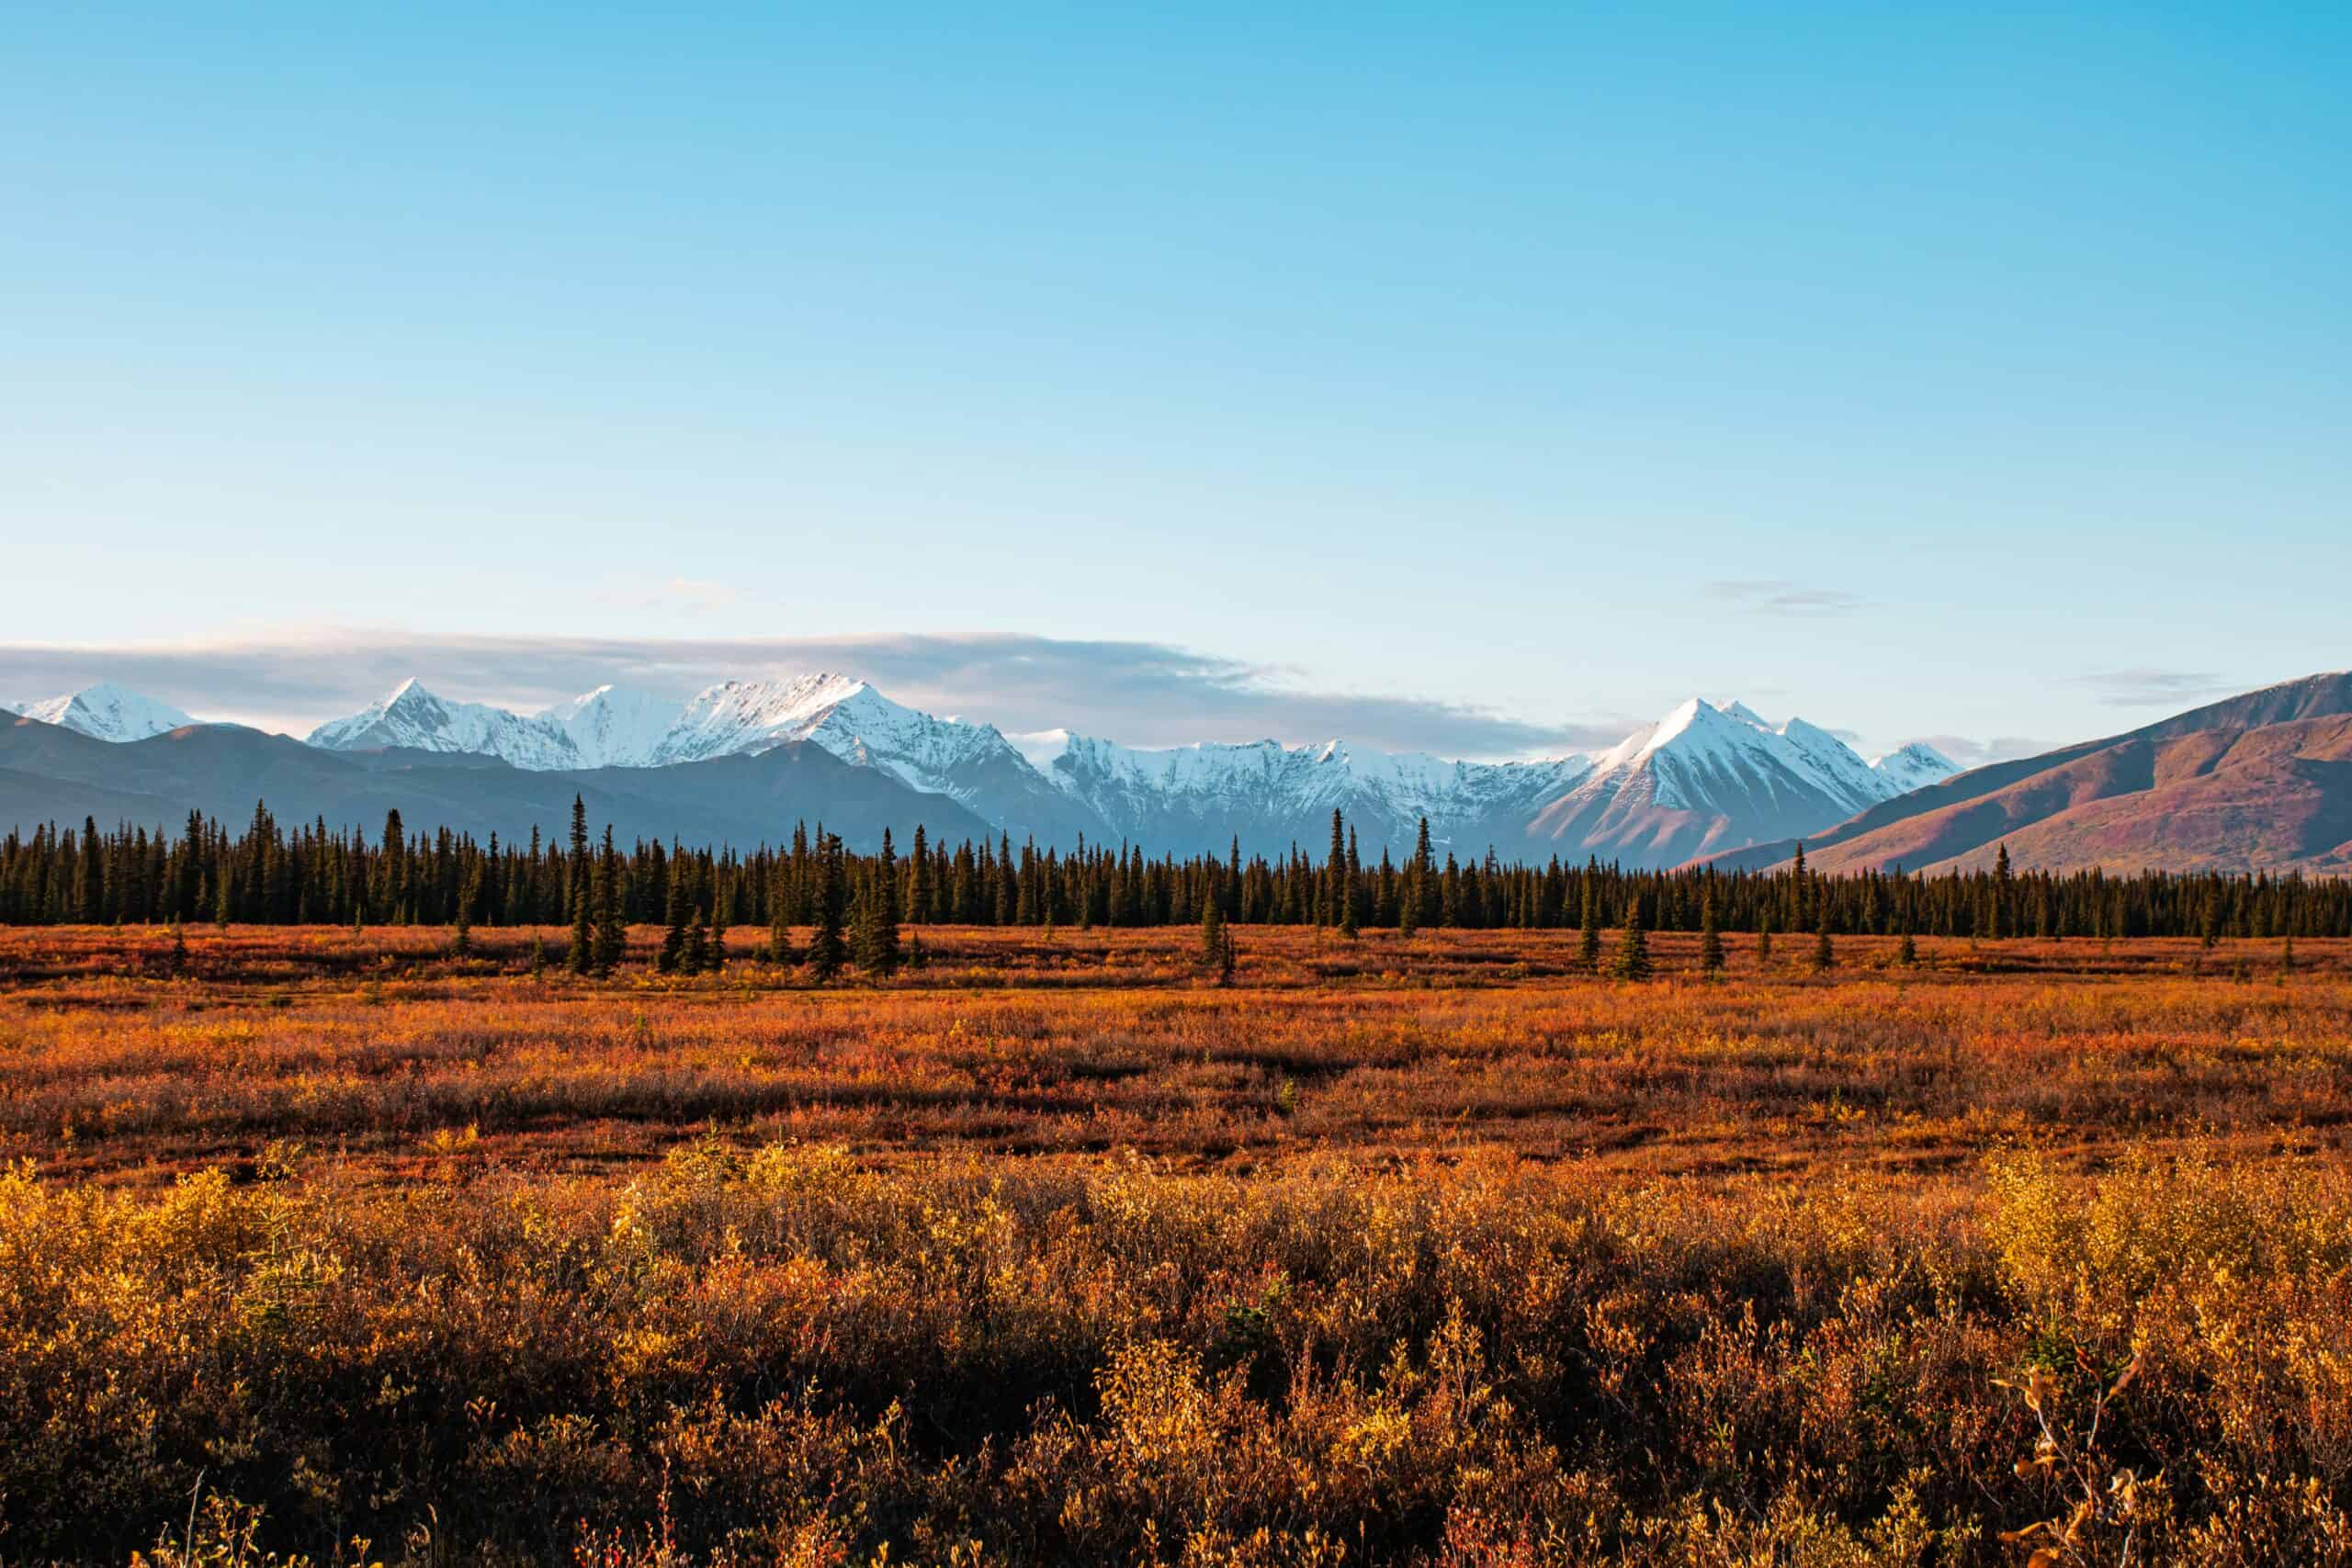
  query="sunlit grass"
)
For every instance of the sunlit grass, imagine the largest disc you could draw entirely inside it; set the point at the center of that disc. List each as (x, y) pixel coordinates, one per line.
(1059, 1252)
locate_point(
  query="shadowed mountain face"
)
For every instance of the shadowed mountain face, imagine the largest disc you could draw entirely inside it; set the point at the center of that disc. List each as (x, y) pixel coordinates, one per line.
(2261, 781)
(1707, 778)
(49, 773)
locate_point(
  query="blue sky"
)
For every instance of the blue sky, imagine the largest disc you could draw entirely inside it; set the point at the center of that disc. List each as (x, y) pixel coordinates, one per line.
(1981, 372)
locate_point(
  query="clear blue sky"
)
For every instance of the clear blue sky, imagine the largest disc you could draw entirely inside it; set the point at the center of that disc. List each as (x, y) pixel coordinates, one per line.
(1977, 370)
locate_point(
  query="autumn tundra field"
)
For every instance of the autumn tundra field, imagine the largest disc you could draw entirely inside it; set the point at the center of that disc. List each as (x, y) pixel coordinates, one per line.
(357, 1246)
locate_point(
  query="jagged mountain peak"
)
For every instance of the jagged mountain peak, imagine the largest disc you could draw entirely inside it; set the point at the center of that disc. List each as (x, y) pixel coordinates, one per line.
(104, 711)
(1703, 762)
(411, 718)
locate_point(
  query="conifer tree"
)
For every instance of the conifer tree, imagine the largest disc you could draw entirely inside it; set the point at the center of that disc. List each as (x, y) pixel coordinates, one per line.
(826, 952)
(878, 925)
(1212, 932)
(672, 951)
(1908, 953)
(1711, 941)
(538, 957)
(1633, 945)
(694, 947)
(1335, 873)
(611, 937)
(91, 894)
(1825, 956)
(581, 958)
(1588, 935)
(919, 881)
(177, 964)
(1996, 904)
(1763, 937)
(713, 946)
(1225, 959)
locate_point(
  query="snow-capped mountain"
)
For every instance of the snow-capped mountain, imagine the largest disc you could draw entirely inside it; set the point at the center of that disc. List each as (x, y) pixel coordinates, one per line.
(1707, 778)
(972, 765)
(1272, 796)
(414, 719)
(614, 727)
(107, 712)
(1914, 766)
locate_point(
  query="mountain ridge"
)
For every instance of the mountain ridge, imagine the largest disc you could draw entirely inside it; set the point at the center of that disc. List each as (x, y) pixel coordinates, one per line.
(2264, 769)
(1060, 787)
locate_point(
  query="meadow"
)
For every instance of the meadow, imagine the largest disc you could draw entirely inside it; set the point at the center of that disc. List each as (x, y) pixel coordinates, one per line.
(346, 1246)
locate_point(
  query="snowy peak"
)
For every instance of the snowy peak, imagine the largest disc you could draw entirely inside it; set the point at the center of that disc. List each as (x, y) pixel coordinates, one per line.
(1704, 757)
(107, 712)
(1707, 776)
(757, 715)
(411, 718)
(614, 727)
(1914, 766)
(1268, 795)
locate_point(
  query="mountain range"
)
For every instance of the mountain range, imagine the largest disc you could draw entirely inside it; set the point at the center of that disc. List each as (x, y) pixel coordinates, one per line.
(2257, 783)
(1707, 776)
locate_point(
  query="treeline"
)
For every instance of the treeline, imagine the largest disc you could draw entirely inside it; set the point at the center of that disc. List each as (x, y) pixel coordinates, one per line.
(270, 873)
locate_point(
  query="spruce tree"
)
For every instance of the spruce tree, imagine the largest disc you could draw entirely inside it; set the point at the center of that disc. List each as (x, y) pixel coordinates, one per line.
(1711, 940)
(1212, 932)
(1633, 945)
(1997, 896)
(877, 923)
(714, 947)
(672, 951)
(1588, 936)
(694, 947)
(581, 958)
(611, 937)
(1225, 959)
(1907, 955)
(1825, 956)
(1419, 902)
(826, 952)
(1763, 938)
(91, 895)
(919, 881)
(1335, 871)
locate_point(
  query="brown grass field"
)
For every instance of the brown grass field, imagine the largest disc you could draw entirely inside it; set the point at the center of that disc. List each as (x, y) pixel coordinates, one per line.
(1437, 1251)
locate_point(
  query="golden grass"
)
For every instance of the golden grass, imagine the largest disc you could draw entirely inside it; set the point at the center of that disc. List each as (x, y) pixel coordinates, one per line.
(1431, 1252)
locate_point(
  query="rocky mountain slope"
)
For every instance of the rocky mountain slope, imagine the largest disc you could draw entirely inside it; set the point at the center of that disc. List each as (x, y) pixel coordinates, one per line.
(107, 712)
(2261, 781)
(1704, 778)
(1707, 778)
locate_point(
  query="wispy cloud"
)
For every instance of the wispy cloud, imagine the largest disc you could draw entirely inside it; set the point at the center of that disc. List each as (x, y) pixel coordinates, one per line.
(1142, 693)
(2154, 688)
(1780, 596)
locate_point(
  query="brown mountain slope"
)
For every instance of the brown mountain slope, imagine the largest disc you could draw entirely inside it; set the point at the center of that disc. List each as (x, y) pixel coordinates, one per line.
(2261, 781)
